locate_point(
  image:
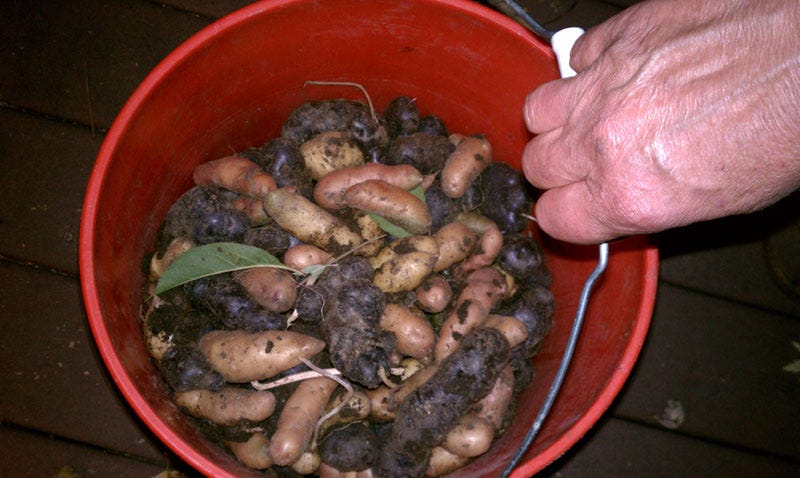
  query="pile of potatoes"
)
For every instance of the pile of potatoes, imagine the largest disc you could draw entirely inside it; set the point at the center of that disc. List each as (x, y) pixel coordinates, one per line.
(411, 282)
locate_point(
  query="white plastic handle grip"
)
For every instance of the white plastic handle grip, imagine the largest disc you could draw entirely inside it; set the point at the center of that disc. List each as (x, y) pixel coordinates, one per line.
(562, 42)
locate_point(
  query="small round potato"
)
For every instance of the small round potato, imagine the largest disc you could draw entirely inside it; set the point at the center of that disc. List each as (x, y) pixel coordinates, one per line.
(471, 437)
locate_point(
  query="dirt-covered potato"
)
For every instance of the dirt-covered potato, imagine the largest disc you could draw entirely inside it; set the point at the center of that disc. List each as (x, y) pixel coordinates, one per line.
(426, 152)
(231, 304)
(329, 151)
(350, 448)
(397, 336)
(309, 222)
(512, 197)
(229, 405)
(401, 116)
(205, 215)
(242, 356)
(390, 202)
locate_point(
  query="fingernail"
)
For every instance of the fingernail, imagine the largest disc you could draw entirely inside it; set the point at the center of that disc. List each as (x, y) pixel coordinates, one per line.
(527, 112)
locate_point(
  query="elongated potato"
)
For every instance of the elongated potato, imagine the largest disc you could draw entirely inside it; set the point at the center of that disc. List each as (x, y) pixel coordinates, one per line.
(494, 406)
(390, 202)
(241, 356)
(298, 419)
(405, 263)
(329, 191)
(229, 405)
(329, 151)
(303, 255)
(273, 288)
(489, 245)
(443, 462)
(476, 222)
(415, 335)
(397, 247)
(253, 453)
(405, 272)
(512, 328)
(471, 437)
(470, 158)
(235, 173)
(483, 289)
(309, 222)
(456, 242)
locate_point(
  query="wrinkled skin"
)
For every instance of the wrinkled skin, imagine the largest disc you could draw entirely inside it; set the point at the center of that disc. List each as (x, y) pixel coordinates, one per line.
(681, 111)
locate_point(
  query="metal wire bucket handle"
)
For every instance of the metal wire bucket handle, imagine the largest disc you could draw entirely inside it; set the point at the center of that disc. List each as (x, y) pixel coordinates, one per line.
(561, 41)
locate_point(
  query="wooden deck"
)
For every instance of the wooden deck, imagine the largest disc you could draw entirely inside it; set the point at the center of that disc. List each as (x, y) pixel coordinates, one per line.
(723, 332)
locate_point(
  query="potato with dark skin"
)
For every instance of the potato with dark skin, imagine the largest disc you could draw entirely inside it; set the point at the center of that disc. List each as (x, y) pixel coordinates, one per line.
(205, 215)
(425, 417)
(401, 117)
(350, 448)
(232, 304)
(426, 152)
(314, 117)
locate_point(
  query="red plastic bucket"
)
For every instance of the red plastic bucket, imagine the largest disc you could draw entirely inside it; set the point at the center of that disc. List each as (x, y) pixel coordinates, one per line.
(231, 85)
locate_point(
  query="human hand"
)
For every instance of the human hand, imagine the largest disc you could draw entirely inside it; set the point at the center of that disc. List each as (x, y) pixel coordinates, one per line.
(681, 111)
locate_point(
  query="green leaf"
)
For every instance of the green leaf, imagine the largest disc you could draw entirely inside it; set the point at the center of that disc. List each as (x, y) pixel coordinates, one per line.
(314, 270)
(419, 192)
(214, 258)
(394, 229)
(389, 228)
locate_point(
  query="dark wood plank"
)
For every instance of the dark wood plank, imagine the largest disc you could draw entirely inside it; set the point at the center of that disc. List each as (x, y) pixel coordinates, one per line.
(727, 257)
(46, 168)
(616, 448)
(53, 379)
(208, 8)
(33, 454)
(81, 60)
(725, 364)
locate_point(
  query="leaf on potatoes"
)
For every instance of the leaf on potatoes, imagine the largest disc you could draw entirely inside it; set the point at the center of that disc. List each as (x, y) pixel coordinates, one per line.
(313, 271)
(419, 192)
(214, 258)
(388, 227)
(393, 229)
